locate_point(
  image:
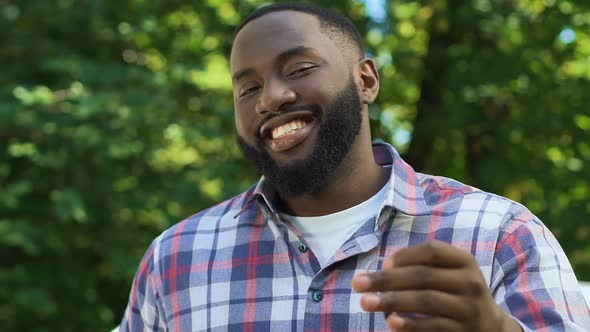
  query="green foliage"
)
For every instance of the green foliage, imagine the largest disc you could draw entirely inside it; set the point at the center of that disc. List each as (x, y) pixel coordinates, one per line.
(116, 121)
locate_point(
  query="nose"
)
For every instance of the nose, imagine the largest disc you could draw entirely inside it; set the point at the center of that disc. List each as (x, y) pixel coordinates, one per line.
(274, 95)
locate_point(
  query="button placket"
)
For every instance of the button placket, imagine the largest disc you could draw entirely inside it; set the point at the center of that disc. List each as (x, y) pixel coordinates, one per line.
(302, 247)
(317, 296)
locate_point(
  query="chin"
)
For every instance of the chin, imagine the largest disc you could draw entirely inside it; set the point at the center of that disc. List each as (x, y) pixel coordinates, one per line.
(291, 156)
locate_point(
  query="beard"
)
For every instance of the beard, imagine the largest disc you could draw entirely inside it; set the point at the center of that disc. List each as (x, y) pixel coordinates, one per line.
(339, 126)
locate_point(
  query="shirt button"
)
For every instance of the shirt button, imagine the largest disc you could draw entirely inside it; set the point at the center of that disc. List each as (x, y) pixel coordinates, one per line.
(302, 247)
(317, 296)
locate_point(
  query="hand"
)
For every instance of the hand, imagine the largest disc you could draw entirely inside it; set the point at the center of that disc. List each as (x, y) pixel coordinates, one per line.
(437, 280)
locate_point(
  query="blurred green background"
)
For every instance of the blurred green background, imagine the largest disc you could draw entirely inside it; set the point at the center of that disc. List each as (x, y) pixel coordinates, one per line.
(116, 121)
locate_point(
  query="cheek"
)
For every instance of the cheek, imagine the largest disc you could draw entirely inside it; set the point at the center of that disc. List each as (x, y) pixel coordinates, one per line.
(245, 124)
(237, 123)
(240, 126)
(321, 88)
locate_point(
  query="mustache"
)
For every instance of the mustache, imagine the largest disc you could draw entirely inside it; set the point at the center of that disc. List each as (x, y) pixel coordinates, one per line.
(315, 109)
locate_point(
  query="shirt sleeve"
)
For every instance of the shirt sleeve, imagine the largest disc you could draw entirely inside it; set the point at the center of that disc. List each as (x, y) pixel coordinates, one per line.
(533, 280)
(143, 312)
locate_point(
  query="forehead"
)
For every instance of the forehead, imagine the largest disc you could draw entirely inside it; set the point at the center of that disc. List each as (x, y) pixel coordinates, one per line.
(262, 39)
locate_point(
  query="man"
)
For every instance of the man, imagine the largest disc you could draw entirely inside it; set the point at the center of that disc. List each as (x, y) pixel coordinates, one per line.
(340, 234)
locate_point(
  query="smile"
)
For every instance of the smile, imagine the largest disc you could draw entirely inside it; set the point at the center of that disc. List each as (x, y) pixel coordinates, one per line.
(288, 128)
(286, 131)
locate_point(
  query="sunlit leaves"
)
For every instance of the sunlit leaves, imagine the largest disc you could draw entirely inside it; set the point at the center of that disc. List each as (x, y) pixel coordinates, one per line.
(214, 76)
(177, 153)
(39, 95)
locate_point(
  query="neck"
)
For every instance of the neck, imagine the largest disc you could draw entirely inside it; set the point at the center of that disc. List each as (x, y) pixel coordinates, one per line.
(357, 179)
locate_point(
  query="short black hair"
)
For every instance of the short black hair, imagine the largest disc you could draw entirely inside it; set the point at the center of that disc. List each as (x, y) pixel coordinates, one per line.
(337, 26)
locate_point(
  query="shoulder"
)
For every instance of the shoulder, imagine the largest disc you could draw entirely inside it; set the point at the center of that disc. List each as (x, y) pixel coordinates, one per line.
(502, 225)
(188, 234)
(494, 211)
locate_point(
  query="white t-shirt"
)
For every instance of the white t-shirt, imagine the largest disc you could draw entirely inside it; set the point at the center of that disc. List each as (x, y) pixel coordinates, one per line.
(324, 235)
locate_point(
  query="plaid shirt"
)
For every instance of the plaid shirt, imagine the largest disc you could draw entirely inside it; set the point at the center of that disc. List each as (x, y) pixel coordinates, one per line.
(238, 267)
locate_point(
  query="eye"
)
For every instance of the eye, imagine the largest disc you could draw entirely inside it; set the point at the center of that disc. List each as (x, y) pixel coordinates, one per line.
(301, 69)
(248, 91)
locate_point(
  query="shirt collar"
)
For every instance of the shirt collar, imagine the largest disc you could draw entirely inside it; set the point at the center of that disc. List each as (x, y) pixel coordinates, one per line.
(405, 193)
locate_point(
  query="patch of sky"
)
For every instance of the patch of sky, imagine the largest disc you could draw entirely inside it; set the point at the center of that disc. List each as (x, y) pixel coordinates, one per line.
(567, 35)
(384, 59)
(376, 10)
(402, 136)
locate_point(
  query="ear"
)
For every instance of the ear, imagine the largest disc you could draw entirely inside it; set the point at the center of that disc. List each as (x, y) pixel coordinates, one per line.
(369, 81)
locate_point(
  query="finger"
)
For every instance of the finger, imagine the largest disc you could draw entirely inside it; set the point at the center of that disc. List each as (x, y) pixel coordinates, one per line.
(387, 262)
(423, 324)
(395, 322)
(428, 302)
(412, 277)
(435, 253)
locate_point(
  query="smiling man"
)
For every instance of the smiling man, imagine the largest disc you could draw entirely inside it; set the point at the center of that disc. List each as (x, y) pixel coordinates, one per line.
(341, 234)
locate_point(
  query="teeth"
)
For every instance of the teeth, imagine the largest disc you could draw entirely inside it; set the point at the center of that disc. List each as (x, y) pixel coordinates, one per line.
(287, 128)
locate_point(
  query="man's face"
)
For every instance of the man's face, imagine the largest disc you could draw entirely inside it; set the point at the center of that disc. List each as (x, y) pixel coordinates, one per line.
(297, 109)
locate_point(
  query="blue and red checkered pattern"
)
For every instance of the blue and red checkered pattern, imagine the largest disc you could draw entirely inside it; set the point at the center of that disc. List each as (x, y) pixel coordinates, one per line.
(238, 267)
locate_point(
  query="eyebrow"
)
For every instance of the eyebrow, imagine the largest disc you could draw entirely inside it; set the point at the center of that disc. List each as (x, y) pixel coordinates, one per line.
(240, 74)
(281, 59)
